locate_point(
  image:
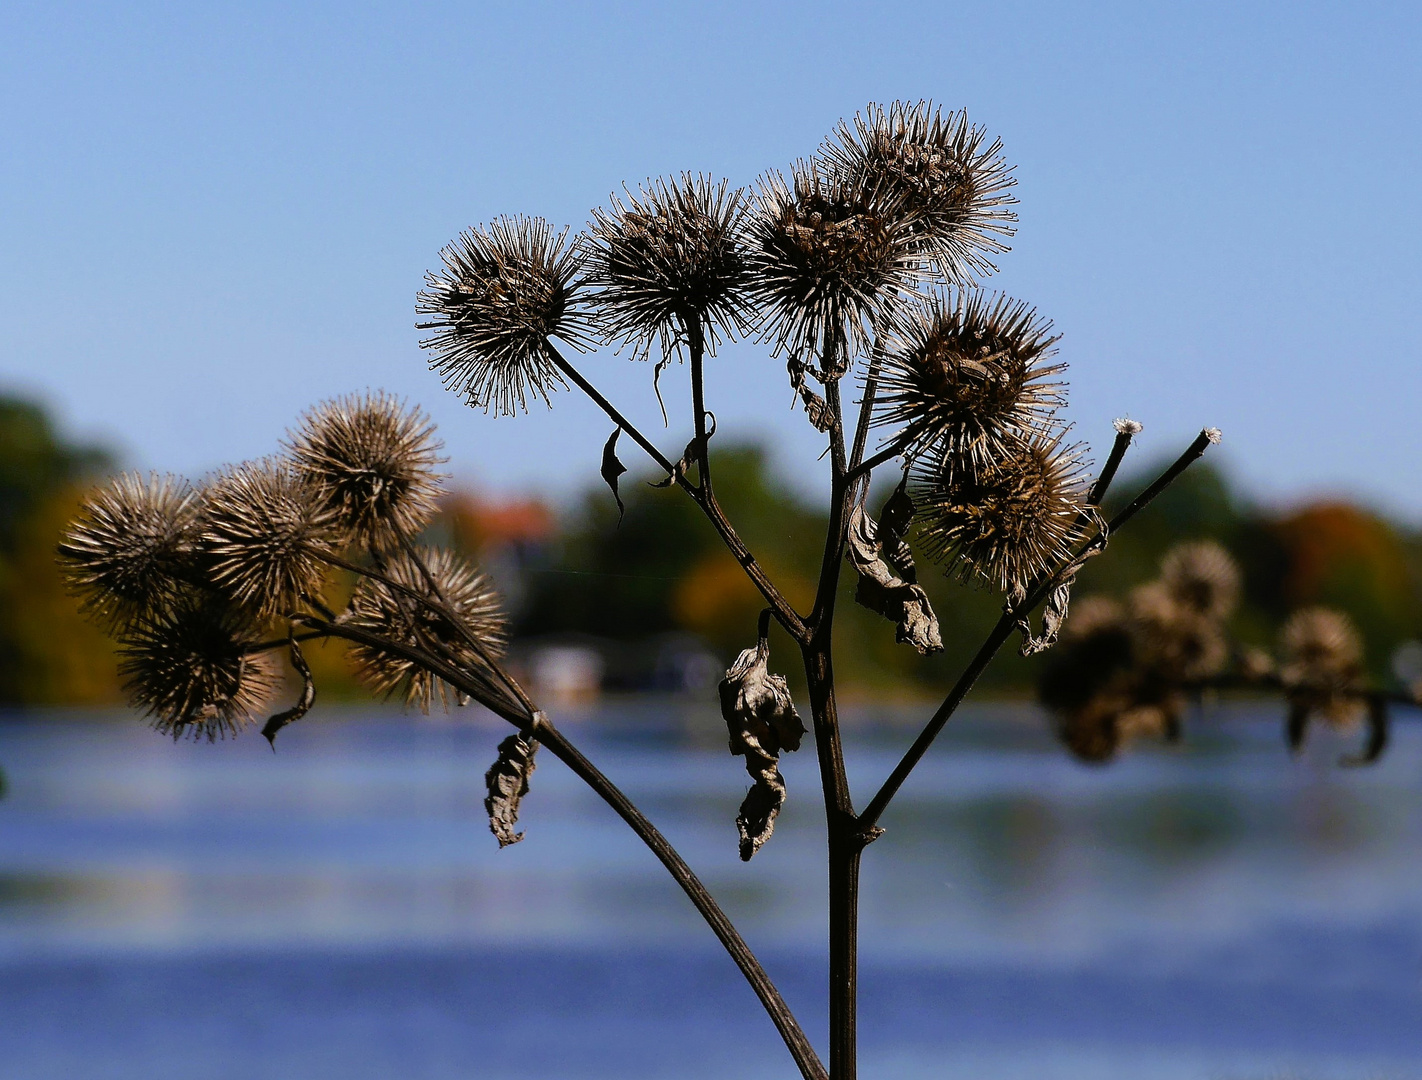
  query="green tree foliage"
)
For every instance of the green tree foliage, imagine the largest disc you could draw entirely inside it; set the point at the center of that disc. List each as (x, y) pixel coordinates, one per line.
(48, 653)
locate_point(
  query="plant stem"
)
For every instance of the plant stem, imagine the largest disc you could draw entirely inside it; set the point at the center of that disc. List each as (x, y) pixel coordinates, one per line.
(1036, 593)
(845, 846)
(538, 726)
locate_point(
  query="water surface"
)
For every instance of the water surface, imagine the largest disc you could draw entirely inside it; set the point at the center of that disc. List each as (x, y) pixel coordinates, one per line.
(339, 908)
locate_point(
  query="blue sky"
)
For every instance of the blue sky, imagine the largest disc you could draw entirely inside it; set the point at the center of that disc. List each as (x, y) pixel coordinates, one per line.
(212, 217)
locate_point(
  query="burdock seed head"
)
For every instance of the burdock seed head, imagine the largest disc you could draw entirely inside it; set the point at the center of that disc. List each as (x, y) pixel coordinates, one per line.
(1175, 642)
(398, 617)
(1203, 577)
(671, 256)
(373, 463)
(132, 541)
(189, 668)
(1009, 519)
(829, 255)
(265, 535)
(505, 289)
(951, 179)
(966, 371)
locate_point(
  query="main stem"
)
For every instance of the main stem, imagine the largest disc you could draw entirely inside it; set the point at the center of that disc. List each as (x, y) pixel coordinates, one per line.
(844, 838)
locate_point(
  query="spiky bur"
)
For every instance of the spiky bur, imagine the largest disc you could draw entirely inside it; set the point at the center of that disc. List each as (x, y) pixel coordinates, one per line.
(373, 462)
(1203, 577)
(1322, 666)
(132, 543)
(393, 614)
(951, 179)
(761, 721)
(1009, 520)
(505, 289)
(266, 536)
(189, 667)
(965, 371)
(671, 256)
(829, 256)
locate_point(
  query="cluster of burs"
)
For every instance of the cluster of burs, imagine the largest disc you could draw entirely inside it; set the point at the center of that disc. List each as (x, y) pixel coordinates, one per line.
(1123, 671)
(204, 586)
(864, 263)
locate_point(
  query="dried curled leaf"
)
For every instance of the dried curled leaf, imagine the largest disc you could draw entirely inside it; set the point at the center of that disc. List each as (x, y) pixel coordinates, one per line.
(690, 456)
(612, 468)
(507, 780)
(761, 721)
(881, 589)
(304, 702)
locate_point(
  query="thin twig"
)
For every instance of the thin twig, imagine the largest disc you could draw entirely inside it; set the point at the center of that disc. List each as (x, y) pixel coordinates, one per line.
(785, 613)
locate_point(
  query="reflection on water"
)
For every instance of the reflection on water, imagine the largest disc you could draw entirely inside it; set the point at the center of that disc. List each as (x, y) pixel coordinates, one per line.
(339, 908)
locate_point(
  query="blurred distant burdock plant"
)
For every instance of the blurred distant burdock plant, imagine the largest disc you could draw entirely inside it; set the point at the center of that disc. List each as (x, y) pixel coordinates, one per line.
(859, 268)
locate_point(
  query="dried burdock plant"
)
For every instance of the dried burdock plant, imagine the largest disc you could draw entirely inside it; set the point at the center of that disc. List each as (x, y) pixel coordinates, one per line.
(194, 669)
(373, 463)
(1321, 667)
(426, 599)
(966, 372)
(671, 261)
(132, 541)
(1203, 577)
(867, 251)
(1175, 641)
(951, 179)
(829, 255)
(1008, 520)
(505, 289)
(266, 537)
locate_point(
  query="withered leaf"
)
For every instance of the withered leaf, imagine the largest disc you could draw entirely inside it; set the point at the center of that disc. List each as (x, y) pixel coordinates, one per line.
(507, 781)
(761, 721)
(881, 590)
(612, 469)
(304, 701)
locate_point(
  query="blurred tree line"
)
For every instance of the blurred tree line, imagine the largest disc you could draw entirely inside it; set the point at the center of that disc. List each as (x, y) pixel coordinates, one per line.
(49, 655)
(661, 572)
(662, 569)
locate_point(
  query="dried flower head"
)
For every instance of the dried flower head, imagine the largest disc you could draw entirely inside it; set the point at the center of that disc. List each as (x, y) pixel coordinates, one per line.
(952, 181)
(127, 550)
(373, 462)
(1203, 577)
(829, 257)
(1009, 519)
(190, 668)
(966, 370)
(1174, 641)
(505, 289)
(672, 256)
(266, 534)
(1322, 664)
(399, 617)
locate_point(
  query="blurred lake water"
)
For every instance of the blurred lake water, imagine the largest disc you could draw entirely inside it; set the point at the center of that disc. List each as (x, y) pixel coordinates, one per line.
(339, 909)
